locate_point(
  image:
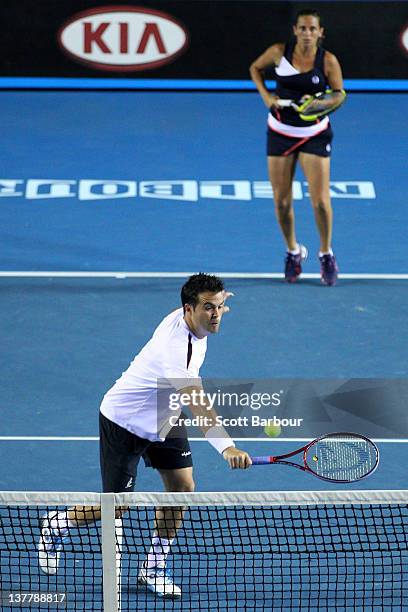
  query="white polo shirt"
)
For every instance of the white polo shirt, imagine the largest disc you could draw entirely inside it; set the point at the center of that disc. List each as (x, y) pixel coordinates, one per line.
(173, 352)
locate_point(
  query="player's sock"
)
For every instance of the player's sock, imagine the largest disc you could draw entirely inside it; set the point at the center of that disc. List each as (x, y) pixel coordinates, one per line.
(295, 251)
(329, 252)
(158, 552)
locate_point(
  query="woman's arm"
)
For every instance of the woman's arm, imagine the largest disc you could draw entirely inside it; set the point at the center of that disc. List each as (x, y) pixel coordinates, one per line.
(271, 57)
(333, 73)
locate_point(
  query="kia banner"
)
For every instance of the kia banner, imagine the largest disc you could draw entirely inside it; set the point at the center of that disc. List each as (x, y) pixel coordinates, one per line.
(200, 39)
(123, 38)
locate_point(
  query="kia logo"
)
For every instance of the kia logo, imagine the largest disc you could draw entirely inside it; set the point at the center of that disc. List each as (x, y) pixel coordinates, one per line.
(123, 38)
(404, 39)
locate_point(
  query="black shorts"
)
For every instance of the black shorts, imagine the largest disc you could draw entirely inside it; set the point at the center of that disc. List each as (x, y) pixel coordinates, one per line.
(279, 145)
(120, 452)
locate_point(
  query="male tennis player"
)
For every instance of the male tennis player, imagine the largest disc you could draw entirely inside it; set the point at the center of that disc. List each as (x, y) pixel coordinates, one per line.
(132, 427)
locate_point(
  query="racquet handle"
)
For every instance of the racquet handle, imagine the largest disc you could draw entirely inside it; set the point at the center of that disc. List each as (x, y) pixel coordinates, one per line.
(261, 460)
(282, 103)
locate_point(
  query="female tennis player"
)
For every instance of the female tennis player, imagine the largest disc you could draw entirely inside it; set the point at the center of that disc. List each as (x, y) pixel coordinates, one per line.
(302, 67)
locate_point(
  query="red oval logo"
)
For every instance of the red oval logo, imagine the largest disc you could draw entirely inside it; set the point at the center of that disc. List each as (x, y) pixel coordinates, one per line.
(404, 39)
(123, 38)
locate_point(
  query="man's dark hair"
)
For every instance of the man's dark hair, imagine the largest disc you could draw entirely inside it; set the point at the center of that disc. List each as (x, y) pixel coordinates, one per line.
(199, 283)
(306, 12)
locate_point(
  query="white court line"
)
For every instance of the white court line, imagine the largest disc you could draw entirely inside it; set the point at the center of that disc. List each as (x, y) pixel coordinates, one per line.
(96, 439)
(244, 275)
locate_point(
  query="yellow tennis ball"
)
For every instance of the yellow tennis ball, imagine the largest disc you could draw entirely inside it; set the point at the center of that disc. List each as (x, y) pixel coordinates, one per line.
(273, 431)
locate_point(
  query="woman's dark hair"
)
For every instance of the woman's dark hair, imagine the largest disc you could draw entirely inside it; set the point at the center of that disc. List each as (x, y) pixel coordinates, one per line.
(306, 12)
(198, 283)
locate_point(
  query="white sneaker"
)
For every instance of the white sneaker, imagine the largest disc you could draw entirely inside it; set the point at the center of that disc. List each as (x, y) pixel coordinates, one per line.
(49, 546)
(159, 581)
(304, 253)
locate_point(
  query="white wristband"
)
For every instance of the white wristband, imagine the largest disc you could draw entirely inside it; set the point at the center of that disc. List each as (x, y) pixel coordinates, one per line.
(218, 438)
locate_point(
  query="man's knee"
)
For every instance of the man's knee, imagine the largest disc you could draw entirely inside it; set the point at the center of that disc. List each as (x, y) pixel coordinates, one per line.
(178, 481)
(186, 485)
(121, 511)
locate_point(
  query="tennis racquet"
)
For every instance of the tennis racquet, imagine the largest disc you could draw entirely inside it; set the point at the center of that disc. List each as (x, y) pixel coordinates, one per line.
(311, 108)
(336, 457)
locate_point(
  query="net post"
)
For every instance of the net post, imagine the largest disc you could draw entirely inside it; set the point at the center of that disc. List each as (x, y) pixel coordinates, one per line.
(110, 589)
(119, 545)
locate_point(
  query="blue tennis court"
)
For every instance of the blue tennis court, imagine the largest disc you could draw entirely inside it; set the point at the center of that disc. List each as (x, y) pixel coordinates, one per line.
(195, 162)
(195, 193)
(74, 324)
(109, 201)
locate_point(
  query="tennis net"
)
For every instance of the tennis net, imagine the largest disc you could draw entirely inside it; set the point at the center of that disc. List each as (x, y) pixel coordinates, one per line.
(343, 550)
